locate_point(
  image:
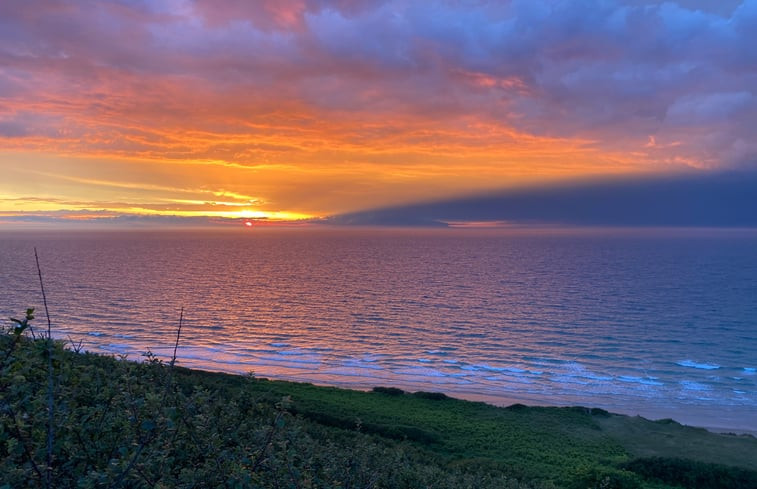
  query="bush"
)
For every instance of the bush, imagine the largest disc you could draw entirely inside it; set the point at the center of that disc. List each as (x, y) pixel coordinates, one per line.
(604, 478)
(517, 407)
(690, 473)
(139, 425)
(599, 412)
(434, 396)
(389, 391)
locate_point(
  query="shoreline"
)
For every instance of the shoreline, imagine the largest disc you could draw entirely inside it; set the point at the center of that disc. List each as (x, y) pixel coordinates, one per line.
(741, 429)
(716, 419)
(530, 444)
(644, 414)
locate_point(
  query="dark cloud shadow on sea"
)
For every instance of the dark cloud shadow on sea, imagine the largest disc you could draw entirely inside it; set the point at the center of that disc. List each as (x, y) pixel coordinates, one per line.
(690, 200)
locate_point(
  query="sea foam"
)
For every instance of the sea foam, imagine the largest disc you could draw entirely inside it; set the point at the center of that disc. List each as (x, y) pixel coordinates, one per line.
(703, 366)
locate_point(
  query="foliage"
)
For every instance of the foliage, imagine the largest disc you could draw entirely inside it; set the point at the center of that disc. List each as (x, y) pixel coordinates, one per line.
(434, 396)
(390, 391)
(690, 473)
(126, 424)
(604, 478)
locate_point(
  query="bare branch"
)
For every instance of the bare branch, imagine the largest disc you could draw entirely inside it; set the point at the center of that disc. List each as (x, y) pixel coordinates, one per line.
(50, 383)
(44, 296)
(178, 335)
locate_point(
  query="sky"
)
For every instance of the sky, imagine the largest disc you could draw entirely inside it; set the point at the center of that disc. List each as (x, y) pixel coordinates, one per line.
(280, 110)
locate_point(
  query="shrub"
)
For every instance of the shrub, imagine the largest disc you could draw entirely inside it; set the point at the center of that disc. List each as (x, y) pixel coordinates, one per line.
(389, 391)
(604, 478)
(125, 424)
(517, 407)
(691, 473)
(434, 396)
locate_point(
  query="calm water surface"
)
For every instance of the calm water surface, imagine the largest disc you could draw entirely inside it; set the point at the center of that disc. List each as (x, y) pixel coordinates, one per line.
(657, 323)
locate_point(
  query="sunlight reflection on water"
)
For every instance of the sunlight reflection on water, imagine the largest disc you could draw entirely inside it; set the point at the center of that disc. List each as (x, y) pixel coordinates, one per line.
(650, 323)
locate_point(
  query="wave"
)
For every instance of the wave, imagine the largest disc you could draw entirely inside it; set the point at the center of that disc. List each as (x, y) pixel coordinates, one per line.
(361, 364)
(703, 366)
(690, 385)
(489, 368)
(639, 380)
(287, 360)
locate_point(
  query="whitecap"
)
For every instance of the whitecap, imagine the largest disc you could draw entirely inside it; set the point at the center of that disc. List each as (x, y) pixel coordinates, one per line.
(690, 385)
(593, 376)
(358, 364)
(638, 380)
(703, 366)
(490, 368)
(289, 361)
(568, 379)
(420, 372)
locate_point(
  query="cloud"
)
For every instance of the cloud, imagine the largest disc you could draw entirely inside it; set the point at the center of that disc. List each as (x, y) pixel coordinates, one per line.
(98, 219)
(689, 200)
(547, 88)
(279, 15)
(72, 219)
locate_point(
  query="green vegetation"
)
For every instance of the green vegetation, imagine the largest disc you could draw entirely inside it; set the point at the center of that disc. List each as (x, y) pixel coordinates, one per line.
(690, 473)
(115, 423)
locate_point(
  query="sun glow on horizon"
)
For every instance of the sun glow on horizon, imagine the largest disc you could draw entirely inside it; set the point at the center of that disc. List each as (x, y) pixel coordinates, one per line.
(233, 112)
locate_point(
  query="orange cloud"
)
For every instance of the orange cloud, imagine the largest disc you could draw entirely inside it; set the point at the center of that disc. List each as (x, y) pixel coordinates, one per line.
(305, 108)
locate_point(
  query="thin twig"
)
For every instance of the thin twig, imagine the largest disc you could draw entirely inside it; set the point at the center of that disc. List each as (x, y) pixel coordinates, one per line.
(170, 386)
(128, 468)
(144, 476)
(170, 377)
(178, 335)
(16, 431)
(267, 443)
(10, 351)
(31, 330)
(292, 475)
(44, 297)
(50, 385)
(75, 346)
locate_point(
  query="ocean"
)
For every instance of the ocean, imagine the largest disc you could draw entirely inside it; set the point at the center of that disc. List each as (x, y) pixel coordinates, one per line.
(658, 323)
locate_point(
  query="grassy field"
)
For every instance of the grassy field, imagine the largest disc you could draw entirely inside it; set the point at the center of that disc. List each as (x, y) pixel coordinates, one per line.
(107, 422)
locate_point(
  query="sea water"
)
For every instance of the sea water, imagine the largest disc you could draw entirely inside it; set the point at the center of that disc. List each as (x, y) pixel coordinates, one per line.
(660, 323)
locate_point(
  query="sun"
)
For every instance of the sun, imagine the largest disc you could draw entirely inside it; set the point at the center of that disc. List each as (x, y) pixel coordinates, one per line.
(248, 224)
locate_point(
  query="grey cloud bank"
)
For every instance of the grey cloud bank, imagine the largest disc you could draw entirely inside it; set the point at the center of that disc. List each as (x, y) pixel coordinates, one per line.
(692, 200)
